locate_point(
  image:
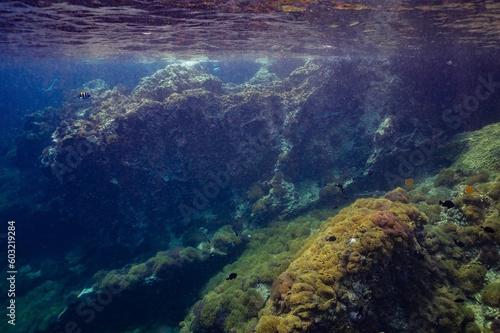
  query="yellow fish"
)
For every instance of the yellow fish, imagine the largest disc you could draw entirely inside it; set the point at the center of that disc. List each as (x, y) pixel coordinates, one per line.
(83, 95)
(468, 190)
(409, 182)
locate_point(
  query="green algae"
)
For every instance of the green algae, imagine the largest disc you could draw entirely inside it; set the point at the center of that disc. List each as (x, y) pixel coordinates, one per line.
(366, 232)
(38, 309)
(446, 178)
(471, 152)
(491, 294)
(268, 254)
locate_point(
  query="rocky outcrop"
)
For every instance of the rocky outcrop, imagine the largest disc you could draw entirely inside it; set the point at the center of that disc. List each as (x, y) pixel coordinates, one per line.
(182, 145)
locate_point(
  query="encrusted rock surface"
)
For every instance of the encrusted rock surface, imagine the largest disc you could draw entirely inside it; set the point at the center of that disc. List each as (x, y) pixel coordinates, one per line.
(183, 143)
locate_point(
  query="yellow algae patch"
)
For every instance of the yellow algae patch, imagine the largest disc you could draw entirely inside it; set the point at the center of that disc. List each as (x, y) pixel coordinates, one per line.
(365, 235)
(353, 7)
(289, 8)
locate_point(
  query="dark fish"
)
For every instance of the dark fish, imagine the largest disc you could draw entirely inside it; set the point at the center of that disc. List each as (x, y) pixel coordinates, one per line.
(489, 230)
(419, 255)
(448, 204)
(459, 300)
(438, 317)
(232, 276)
(235, 232)
(331, 239)
(370, 172)
(341, 188)
(459, 243)
(335, 206)
(83, 95)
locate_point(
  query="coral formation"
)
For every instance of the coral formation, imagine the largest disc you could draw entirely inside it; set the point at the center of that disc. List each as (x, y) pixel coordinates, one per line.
(255, 192)
(317, 284)
(446, 178)
(491, 294)
(269, 254)
(489, 255)
(470, 276)
(482, 176)
(416, 196)
(398, 195)
(494, 190)
(387, 221)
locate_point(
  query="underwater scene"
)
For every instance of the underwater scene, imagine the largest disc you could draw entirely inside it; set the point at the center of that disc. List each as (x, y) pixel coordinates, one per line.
(234, 166)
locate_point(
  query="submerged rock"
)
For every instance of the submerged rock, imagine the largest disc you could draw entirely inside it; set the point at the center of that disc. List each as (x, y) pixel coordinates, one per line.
(182, 144)
(341, 282)
(164, 286)
(474, 151)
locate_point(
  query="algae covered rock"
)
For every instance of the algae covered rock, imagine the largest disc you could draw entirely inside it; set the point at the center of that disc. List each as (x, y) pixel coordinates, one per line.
(179, 273)
(345, 263)
(491, 294)
(176, 79)
(471, 152)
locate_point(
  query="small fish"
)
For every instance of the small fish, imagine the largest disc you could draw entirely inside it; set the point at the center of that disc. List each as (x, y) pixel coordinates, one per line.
(335, 206)
(448, 204)
(409, 182)
(331, 239)
(235, 232)
(438, 317)
(468, 190)
(370, 172)
(459, 243)
(489, 230)
(459, 300)
(83, 95)
(232, 276)
(339, 185)
(327, 115)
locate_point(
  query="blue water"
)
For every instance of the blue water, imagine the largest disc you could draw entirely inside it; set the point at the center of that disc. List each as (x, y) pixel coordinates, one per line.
(213, 127)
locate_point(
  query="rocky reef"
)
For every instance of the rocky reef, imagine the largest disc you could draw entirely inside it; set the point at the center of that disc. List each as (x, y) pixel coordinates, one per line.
(346, 270)
(186, 179)
(378, 265)
(186, 147)
(474, 151)
(163, 285)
